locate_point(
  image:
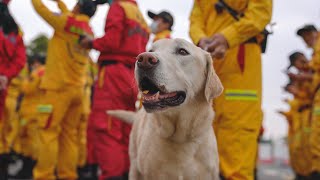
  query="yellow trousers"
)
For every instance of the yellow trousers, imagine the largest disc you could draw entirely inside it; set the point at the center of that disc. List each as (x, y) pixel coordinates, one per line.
(238, 113)
(315, 133)
(58, 146)
(9, 125)
(29, 136)
(300, 157)
(82, 140)
(82, 128)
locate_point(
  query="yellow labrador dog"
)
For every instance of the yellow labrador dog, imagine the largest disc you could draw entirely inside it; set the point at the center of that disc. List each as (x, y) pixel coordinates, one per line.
(172, 136)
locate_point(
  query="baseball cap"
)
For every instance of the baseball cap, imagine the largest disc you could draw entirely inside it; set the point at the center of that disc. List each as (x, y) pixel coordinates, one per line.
(306, 28)
(166, 16)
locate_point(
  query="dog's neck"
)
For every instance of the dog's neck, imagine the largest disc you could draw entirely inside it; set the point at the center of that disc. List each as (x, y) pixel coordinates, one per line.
(181, 126)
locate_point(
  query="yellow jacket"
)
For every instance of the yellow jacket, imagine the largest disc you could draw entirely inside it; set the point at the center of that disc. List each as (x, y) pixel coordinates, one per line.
(205, 22)
(162, 35)
(66, 60)
(315, 64)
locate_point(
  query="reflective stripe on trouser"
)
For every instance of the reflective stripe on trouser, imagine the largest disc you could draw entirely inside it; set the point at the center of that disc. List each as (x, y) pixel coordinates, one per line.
(315, 133)
(238, 113)
(58, 145)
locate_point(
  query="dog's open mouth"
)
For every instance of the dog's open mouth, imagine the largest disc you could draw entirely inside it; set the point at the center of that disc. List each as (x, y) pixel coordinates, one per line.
(155, 97)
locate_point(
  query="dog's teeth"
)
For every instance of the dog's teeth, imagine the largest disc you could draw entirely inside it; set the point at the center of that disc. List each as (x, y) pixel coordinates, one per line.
(157, 95)
(145, 92)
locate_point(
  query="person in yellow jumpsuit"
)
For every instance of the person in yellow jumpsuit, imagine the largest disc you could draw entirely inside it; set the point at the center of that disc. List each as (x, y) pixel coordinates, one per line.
(82, 128)
(11, 128)
(298, 135)
(63, 82)
(304, 94)
(311, 37)
(238, 109)
(28, 134)
(161, 25)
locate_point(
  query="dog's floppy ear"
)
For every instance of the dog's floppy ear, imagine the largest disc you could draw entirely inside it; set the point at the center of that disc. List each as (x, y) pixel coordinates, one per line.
(213, 86)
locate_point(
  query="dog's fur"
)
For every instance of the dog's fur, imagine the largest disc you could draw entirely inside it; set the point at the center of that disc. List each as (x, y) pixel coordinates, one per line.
(176, 143)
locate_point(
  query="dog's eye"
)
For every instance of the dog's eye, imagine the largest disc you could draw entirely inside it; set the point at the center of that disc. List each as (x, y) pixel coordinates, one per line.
(183, 52)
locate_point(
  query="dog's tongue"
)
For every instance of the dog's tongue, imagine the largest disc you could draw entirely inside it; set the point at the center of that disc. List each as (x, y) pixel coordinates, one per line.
(155, 97)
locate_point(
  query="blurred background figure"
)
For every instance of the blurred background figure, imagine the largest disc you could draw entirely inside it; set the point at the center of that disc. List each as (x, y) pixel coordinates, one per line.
(161, 25)
(126, 36)
(226, 30)
(12, 60)
(63, 82)
(27, 141)
(311, 37)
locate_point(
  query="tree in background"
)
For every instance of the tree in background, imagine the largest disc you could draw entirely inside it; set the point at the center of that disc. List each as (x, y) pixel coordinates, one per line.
(38, 46)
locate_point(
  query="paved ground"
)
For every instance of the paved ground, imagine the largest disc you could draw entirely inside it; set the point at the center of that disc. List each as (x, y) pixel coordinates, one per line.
(274, 172)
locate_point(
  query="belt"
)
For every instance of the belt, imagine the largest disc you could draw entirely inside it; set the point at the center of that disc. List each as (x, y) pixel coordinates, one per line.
(251, 40)
(111, 62)
(304, 107)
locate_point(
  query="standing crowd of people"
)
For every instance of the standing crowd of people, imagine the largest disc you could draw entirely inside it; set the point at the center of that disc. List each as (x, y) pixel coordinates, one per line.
(303, 117)
(53, 112)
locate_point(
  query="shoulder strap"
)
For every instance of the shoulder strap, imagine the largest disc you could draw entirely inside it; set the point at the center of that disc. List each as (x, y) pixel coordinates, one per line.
(230, 10)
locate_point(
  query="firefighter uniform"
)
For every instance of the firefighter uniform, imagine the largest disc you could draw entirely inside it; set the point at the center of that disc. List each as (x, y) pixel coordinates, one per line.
(12, 60)
(298, 136)
(32, 94)
(240, 73)
(126, 36)
(82, 128)
(166, 34)
(62, 103)
(11, 127)
(315, 121)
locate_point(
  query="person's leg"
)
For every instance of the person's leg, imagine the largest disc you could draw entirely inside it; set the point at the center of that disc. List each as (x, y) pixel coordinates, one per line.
(315, 136)
(12, 125)
(68, 139)
(238, 114)
(51, 112)
(82, 139)
(116, 91)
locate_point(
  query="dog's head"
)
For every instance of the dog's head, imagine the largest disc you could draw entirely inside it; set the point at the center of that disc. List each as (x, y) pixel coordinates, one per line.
(175, 72)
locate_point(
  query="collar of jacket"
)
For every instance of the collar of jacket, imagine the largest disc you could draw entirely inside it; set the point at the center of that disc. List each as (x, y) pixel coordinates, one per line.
(163, 34)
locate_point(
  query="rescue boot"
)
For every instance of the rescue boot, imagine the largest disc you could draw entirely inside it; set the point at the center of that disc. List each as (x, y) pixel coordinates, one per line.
(28, 165)
(4, 162)
(88, 172)
(315, 176)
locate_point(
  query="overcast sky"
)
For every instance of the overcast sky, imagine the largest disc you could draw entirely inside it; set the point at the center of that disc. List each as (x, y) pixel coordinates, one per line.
(288, 14)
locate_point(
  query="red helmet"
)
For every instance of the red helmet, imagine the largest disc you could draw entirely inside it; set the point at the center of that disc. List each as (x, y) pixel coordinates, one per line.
(5, 1)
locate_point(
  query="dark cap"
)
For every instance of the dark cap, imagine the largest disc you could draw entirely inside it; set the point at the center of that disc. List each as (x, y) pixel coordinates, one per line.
(166, 16)
(87, 7)
(306, 28)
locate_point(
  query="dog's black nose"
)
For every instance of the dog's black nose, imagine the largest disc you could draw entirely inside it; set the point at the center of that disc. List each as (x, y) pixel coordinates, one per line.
(147, 61)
